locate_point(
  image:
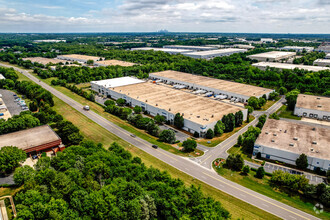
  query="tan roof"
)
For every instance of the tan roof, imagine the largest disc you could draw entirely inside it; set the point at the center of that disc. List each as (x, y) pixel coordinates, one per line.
(115, 62)
(320, 103)
(28, 138)
(44, 61)
(305, 134)
(194, 108)
(273, 54)
(237, 88)
(82, 57)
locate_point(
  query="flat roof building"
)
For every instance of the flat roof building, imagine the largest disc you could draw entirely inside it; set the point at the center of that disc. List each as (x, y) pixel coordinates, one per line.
(44, 61)
(79, 58)
(41, 138)
(209, 54)
(243, 46)
(322, 62)
(297, 48)
(239, 91)
(287, 66)
(199, 113)
(191, 48)
(113, 63)
(2, 77)
(272, 56)
(324, 48)
(49, 41)
(165, 50)
(102, 85)
(310, 106)
(327, 56)
(285, 141)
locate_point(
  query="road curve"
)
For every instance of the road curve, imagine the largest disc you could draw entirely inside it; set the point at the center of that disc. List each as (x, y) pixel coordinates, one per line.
(185, 165)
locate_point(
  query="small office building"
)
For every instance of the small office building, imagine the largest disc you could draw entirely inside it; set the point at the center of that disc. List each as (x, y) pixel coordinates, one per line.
(172, 51)
(322, 62)
(272, 56)
(285, 141)
(309, 106)
(33, 140)
(210, 54)
(287, 66)
(221, 88)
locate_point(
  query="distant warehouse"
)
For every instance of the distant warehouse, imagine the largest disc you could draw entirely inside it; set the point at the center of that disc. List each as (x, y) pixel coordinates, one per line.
(199, 113)
(310, 106)
(226, 89)
(272, 56)
(327, 56)
(113, 63)
(282, 66)
(41, 138)
(286, 141)
(79, 58)
(44, 61)
(322, 62)
(297, 48)
(191, 48)
(172, 51)
(209, 54)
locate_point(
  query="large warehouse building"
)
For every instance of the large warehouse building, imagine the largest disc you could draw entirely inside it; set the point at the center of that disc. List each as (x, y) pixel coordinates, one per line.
(191, 48)
(209, 54)
(230, 90)
(322, 62)
(286, 141)
(286, 66)
(297, 48)
(272, 56)
(199, 113)
(44, 61)
(103, 86)
(165, 50)
(79, 58)
(33, 140)
(313, 107)
(113, 63)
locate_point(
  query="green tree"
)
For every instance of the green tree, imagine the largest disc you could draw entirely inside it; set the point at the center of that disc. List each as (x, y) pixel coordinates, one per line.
(260, 172)
(90, 62)
(33, 106)
(274, 116)
(23, 174)
(291, 98)
(137, 109)
(121, 102)
(159, 119)
(235, 162)
(246, 170)
(10, 157)
(209, 134)
(240, 140)
(302, 162)
(238, 118)
(253, 102)
(167, 136)
(282, 90)
(196, 134)
(189, 145)
(109, 102)
(178, 121)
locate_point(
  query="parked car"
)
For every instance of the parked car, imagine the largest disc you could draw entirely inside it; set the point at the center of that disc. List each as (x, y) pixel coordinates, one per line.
(155, 146)
(35, 157)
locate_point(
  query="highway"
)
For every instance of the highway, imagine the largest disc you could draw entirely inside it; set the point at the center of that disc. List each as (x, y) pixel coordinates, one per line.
(186, 165)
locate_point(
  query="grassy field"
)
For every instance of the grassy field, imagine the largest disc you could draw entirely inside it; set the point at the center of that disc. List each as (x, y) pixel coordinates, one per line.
(262, 186)
(94, 132)
(217, 140)
(238, 150)
(283, 112)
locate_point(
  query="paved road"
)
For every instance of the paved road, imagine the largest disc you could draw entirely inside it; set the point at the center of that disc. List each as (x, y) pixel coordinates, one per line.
(184, 164)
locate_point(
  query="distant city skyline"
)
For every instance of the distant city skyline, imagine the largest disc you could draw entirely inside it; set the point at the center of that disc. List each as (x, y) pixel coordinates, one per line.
(241, 16)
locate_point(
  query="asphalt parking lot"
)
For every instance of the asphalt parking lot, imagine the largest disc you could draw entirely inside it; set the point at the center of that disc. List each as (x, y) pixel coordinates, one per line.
(12, 106)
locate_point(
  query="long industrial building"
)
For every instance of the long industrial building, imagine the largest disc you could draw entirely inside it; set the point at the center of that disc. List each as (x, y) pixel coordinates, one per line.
(230, 90)
(272, 56)
(209, 54)
(297, 48)
(33, 140)
(79, 58)
(283, 66)
(327, 56)
(191, 48)
(113, 63)
(286, 141)
(322, 62)
(44, 61)
(103, 86)
(199, 113)
(310, 106)
(172, 51)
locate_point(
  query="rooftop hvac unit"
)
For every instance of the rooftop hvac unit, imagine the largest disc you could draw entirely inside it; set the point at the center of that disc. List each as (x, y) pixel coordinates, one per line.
(146, 100)
(156, 104)
(295, 138)
(182, 114)
(318, 98)
(312, 149)
(313, 129)
(275, 134)
(266, 132)
(314, 142)
(169, 109)
(319, 106)
(198, 116)
(291, 144)
(273, 140)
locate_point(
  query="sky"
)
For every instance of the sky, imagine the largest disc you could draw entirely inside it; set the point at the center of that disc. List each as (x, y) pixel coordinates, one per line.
(240, 16)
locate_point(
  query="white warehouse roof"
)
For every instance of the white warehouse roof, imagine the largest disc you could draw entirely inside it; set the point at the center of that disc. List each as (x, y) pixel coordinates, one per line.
(166, 50)
(272, 55)
(116, 82)
(322, 62)
(2, 77)
(327, 56)
(188, 47)
(264, 65)
(214, 53)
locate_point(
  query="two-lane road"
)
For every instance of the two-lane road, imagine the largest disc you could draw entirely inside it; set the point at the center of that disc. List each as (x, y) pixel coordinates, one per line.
(184, 164)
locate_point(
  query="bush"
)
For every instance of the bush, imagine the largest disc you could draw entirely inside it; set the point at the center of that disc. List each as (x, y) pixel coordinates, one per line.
(189, 145)
(137, 109)
(121, 102)
(167, 136)
(246, 169)
(178, 121)
(209, 134)
(260, 172)
(258, 155)
(235, 162)
(109, 102)
(196, 134)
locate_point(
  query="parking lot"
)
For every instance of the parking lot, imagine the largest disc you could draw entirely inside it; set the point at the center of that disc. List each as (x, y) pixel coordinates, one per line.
(9, 101)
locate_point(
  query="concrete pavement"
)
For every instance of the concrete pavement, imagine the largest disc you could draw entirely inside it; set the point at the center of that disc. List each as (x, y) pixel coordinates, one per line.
(185, 164)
